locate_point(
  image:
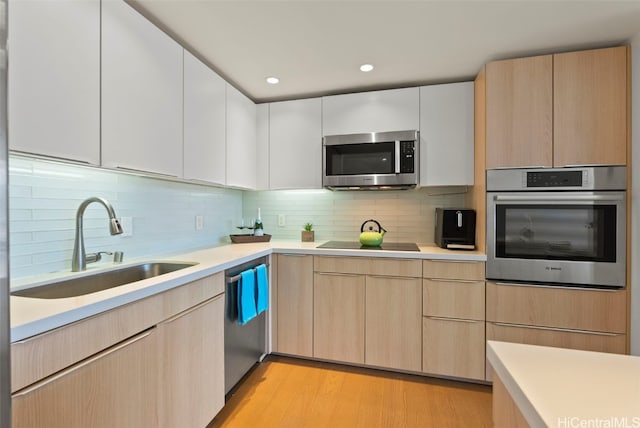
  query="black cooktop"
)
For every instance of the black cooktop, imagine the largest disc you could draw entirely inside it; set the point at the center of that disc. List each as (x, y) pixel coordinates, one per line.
(389, 246)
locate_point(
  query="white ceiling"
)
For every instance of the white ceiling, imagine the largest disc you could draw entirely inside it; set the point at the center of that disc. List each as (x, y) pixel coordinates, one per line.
(316, 47)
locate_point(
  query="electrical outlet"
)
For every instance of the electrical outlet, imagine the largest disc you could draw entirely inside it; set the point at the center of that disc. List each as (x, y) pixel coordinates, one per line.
(199, 222)
(127, 226)
(281, 220)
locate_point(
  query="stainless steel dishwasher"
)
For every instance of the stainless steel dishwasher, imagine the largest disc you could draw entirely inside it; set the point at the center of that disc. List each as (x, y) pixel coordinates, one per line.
(244, 345)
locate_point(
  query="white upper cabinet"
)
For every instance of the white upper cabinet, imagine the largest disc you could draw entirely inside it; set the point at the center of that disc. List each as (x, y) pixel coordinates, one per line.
(241, 140)
(54, 79)
(262, 147)
(141, 93)
(204, 122)
(377, 111)
(295, 140)
(446, 134)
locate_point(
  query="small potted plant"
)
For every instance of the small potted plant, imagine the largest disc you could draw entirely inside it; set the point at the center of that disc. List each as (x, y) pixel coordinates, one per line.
(308, 233)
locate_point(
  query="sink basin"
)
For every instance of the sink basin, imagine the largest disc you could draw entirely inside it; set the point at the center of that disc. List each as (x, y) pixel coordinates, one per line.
(100, 280)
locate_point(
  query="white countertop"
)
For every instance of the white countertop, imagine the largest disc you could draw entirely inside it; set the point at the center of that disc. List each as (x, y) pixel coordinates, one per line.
(557, 387)
(30, 316)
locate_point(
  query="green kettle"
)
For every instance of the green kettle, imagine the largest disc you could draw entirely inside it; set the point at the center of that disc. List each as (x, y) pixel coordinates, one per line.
(370, 238)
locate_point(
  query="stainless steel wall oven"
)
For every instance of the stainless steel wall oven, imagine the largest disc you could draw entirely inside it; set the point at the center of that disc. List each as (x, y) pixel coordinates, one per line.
(557, 226)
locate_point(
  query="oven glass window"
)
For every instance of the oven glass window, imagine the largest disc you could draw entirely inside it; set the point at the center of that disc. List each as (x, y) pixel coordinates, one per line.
(558, 232)
(360, 159)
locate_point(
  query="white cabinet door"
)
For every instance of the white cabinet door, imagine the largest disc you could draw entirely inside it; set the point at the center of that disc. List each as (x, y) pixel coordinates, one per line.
(241, 140)
(54, 79)
(377, 111)
(141, 93)
(204, 122)
(446, 134)
(295, 141)
(262, 147)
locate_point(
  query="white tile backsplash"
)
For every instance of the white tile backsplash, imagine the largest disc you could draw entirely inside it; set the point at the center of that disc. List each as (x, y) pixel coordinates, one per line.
(44, 197)
(407, 215)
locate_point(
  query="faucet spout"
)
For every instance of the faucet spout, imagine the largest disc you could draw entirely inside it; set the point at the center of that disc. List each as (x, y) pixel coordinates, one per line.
(79, 261)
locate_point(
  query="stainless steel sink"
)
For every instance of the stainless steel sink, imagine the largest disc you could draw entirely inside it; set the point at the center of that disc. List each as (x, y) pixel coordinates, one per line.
(100, 280)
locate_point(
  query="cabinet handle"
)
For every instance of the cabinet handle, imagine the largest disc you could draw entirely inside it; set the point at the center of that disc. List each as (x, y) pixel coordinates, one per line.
(453, 319)
(559, 329)
(338, 274)
(466, 281)
(555, 287)
(188, 311)
(82, 364)
(142, 171)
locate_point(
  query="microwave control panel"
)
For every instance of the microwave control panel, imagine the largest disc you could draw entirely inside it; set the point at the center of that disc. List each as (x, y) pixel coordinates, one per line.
(407, 161)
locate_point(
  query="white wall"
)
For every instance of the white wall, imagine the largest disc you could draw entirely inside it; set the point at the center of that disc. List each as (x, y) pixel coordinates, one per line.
(635, 196)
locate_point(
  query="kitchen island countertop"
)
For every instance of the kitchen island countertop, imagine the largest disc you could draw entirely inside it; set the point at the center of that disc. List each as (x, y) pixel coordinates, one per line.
(557, 387)
(32, 316)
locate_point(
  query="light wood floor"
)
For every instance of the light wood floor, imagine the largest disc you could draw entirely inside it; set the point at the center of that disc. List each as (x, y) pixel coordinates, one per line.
(287, 392)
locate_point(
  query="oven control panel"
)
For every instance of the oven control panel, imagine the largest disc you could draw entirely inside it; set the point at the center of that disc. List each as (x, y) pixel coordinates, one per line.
(555, 178)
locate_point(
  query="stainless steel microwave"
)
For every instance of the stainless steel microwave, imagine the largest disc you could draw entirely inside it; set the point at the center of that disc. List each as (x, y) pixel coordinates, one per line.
(557, 226)
(373, 160)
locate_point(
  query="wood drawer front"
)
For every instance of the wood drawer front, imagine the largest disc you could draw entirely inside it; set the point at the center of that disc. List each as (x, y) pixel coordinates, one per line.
(572, 339)
(453, 299)
(368, 266)
(580, 309)
(453, 269)
(37, 357)
(453, 347)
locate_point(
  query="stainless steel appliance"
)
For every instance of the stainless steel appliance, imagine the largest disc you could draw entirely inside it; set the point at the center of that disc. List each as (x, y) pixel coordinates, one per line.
(559, 226)
(5, 373)
(374, 160)
(455, 229)
(244, 345)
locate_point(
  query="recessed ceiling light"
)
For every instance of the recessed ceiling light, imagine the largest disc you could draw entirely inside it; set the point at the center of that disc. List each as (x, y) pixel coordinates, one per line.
(272, 80)
(366, 67)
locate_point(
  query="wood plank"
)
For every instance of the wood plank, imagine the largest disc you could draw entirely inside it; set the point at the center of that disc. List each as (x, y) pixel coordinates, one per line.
(453, 299)
(285, 392)
(338, 317)
(505, 411)
(476, 197)
(453, 269)
(519, 112)
(581, 309)
(590, 107)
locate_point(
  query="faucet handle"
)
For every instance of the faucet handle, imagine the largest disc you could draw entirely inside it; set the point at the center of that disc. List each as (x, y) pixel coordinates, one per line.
(96, 257)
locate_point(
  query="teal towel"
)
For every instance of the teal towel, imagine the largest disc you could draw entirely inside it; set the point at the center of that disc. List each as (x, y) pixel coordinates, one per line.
(263, 288)
(246, 297)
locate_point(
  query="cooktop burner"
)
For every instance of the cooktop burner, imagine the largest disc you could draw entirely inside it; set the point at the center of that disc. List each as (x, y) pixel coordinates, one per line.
(389, 246)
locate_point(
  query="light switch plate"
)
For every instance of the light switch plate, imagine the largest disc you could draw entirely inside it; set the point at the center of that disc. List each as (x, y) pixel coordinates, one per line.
(127, 226)
(199, 222)
(281, 220)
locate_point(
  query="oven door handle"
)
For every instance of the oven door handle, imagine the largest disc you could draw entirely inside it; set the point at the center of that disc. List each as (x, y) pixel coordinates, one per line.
(560, 197)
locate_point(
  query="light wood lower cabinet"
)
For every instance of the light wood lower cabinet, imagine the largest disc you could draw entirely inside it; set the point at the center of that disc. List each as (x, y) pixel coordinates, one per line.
(562, 338)
(295, 304)
(114, 388)
(156, 362)
(393, 323)
(453, 347)
(191, 388)
(338, 317)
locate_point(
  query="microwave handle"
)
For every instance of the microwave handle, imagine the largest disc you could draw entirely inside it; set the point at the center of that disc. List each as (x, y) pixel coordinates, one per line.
(397, 157)
(558, 197)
